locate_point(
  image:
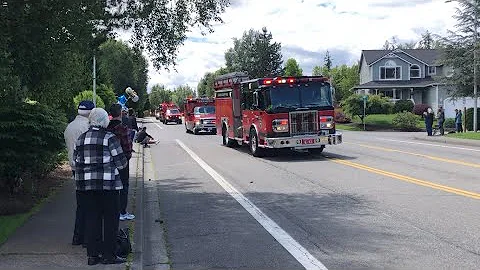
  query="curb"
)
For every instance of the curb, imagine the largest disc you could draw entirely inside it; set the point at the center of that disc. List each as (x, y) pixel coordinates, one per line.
(450, 141)
(138, 243)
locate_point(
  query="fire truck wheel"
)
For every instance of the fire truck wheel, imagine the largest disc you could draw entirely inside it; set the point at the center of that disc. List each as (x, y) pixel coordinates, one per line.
(195, 131)
(225, 140)
(254, 149)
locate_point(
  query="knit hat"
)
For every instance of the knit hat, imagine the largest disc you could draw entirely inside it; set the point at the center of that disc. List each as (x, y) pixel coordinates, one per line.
(85, 107)
(99, 118)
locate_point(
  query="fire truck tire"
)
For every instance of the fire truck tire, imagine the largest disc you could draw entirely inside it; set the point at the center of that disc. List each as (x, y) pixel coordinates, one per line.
(254, 149)
(226, 141)
(195, 131)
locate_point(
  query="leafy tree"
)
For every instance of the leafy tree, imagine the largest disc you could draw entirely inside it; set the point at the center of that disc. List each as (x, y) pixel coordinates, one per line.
(88, 95)
(106, 93)
(205, 86)
(181, 93)
(158, 95)
(327, 62)
(344, 78)
(292, 68)
(256, 54)
(459, 47)
(353, 105)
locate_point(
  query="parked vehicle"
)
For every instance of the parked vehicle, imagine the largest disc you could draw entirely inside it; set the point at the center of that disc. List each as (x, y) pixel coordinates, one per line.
(200, 115)
(269, 113)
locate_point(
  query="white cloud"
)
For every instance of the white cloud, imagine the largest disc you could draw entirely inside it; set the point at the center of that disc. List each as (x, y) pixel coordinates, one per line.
(306, 29)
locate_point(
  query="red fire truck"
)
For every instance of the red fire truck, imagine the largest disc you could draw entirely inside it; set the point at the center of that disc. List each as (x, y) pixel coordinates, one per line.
(271, 113)
(200, 115)
(169, 112)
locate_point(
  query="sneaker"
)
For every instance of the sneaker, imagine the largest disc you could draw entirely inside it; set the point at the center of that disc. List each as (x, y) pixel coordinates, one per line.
(123, 217)
(129, 216)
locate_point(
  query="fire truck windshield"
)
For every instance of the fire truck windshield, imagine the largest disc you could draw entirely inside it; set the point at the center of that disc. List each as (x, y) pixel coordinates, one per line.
(285, 98)
(204, 110)
(173, 111)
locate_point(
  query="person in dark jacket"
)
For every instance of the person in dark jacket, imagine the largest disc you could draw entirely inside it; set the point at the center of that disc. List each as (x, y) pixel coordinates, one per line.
(121, 131)
(144, 138)
(458, 120)
(98, 157)
(132, 123)
(441, 120)
(429, 121)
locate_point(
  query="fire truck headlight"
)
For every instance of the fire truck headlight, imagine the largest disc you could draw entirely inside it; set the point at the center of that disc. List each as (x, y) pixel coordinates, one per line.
(326, 122)
(197, 122)
(280, 125)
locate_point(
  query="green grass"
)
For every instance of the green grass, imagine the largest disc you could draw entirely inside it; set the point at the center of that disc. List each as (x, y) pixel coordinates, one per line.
(465, 135)
(375, 122)
(9, 224)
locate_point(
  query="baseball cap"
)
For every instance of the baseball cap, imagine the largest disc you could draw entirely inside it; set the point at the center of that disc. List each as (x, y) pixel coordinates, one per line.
(86, 105)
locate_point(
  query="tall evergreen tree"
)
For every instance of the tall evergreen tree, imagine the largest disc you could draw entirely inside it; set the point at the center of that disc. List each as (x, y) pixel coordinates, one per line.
(256, 54)
(327, 61)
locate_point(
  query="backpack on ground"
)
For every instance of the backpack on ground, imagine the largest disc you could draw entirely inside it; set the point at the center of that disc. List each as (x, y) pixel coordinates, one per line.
(123, 247)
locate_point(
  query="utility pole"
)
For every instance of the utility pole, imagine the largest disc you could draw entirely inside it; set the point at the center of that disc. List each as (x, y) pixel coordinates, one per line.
(94, 82)
(475, 71)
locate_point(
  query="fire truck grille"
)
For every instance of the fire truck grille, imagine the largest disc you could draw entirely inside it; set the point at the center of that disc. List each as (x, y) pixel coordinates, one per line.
(304, 122)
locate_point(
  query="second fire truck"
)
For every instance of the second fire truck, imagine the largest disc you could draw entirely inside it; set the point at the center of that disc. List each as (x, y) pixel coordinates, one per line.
(200, 115)
(271, 113)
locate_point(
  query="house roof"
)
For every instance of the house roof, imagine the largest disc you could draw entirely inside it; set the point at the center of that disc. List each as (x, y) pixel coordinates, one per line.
(398, 84)
(428, 56)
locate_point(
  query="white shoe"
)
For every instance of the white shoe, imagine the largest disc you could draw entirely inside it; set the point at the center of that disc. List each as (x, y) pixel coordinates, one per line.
(123, 217)
(129, 216)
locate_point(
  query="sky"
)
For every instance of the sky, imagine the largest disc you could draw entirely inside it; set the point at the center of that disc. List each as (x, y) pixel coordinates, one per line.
(307, 29)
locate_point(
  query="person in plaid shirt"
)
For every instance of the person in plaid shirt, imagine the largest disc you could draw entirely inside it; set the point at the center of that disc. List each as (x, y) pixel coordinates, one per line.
(98, 157)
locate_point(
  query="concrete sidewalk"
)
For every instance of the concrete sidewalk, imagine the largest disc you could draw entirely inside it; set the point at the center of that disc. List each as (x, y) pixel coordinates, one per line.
(44, 241)
(447, 140)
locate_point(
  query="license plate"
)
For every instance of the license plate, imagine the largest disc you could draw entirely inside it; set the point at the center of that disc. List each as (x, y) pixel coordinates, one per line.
(308, 141)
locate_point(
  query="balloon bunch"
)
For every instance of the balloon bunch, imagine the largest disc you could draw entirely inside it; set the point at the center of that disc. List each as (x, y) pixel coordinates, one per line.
(130, 94)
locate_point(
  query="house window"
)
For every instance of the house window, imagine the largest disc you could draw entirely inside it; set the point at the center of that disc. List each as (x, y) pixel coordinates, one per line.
(432, 70)
(414, 71)
(390, 73)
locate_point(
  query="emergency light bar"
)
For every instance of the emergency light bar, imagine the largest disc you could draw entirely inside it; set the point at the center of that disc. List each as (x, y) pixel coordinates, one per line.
(303, 79)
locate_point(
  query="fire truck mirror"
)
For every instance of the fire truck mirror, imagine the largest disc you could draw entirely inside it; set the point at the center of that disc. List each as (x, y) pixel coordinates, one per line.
(255, 99)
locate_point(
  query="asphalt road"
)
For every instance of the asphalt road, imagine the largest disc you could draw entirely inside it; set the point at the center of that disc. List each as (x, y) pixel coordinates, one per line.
(380, 200)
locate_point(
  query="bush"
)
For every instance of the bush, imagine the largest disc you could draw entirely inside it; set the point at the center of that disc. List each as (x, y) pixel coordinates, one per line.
(419, 109)
(32, 143)
(449, 123)
(403, 106)
(88, 95)
(405, 121)
(377, 104)
(469, 119)
(341, 117)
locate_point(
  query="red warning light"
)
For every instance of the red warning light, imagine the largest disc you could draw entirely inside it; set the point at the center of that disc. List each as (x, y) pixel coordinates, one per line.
(267, 82)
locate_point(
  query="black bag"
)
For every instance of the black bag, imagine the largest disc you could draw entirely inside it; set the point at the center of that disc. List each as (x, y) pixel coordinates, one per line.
(123, 247)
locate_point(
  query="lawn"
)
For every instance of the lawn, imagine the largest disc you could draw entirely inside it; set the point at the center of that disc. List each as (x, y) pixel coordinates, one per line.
(465, 135)
(8, 224)
(375, 122)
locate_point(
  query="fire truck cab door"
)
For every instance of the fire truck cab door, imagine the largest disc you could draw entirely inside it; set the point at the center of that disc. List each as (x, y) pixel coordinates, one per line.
(237, 112)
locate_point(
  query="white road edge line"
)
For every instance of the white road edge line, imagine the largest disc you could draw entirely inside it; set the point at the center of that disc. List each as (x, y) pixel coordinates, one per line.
(293, 247)
(431, 144)
(157, 125)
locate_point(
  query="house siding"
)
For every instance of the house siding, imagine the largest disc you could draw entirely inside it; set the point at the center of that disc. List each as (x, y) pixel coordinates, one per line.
(413, 62)
(365, 75)
(405, 68)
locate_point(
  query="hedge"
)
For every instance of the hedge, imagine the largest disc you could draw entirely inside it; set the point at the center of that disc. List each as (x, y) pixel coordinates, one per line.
(32, 143)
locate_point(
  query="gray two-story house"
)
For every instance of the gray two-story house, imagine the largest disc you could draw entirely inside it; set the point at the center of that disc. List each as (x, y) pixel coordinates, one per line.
(403, 75)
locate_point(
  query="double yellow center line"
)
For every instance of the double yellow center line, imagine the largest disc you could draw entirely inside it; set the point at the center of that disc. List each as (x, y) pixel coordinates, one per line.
(459, 162)
(412, 180)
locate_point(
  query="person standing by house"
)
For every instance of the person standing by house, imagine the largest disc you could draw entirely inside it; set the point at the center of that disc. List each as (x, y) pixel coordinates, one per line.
(429, 121)
(121, 131)
(458, 120)
(441, 120)
(98, 157)
(78, 126)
